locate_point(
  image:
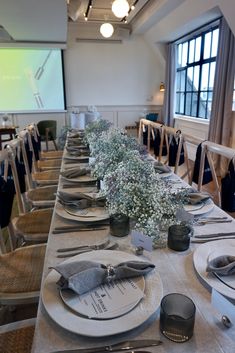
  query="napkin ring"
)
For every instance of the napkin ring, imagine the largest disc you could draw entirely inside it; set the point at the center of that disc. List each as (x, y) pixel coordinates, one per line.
(111, 272)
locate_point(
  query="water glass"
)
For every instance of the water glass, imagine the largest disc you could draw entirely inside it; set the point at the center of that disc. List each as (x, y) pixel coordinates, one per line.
(119, 225)
(177, 317)
(179, 237)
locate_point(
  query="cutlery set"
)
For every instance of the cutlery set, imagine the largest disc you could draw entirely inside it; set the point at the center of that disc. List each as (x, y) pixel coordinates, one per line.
(210, 220)
(69, 252)
(126, 346)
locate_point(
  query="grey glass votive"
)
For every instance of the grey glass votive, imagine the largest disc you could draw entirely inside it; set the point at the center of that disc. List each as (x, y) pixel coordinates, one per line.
(179, 237)
(119, 225)
(177, 317)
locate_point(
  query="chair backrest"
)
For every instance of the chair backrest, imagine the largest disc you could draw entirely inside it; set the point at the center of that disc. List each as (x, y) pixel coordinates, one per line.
(171, 134)
(188, 141)
(7, 191)
(43, 125)
(20, 163)
(144, 123)
(209, 149)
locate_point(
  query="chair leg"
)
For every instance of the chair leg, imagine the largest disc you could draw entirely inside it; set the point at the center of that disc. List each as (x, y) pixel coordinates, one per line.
(55, 145)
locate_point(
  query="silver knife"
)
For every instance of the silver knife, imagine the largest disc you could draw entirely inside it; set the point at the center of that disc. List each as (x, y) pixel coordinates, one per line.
(122, 346)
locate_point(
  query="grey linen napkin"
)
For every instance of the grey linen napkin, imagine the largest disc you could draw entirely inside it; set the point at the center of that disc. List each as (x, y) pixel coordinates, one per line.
(82, 200)
(82, 276)
(197, 197)
(161, 168)
(222, 265)
(74, 172)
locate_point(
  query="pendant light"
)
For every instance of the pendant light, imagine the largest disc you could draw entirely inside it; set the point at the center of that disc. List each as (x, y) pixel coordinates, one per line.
(106, 29)
(120, 8)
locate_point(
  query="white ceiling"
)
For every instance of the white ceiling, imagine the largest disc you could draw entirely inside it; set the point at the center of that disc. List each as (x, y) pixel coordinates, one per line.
(34, 20)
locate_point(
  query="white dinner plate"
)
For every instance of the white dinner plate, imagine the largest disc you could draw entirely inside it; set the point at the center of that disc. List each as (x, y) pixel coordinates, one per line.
(59, 209)
(201, 208)
(99, 328)
(203, 253)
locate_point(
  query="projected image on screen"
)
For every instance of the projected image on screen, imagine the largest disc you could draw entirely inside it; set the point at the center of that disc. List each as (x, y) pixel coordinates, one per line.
(31, 80)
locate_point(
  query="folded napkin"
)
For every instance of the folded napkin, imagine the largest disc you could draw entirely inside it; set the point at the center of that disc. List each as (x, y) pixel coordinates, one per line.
(82, 200)
(74, 172)
(222, 265)
(161, 168)
(79, 153)
(197, 197)
(82, 276)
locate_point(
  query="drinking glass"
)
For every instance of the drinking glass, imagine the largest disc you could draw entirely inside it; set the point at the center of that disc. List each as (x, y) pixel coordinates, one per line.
(177, 317)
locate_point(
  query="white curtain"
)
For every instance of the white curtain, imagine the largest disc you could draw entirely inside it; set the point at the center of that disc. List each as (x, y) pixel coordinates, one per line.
(220, 127)
(169, 96)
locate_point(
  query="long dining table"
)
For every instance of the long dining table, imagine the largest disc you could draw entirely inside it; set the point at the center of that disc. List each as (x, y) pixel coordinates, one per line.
(177, 272)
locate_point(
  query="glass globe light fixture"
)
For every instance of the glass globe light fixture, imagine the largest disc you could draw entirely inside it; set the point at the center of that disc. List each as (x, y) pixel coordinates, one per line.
(106, 29)
(120, 8)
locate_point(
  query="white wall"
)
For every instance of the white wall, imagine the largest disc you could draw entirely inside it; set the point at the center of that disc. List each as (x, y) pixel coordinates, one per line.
(112, 74)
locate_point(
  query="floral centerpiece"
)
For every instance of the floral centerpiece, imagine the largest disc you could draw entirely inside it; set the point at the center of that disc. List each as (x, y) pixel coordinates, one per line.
(134, 189)
(94, 129)
(111, 148)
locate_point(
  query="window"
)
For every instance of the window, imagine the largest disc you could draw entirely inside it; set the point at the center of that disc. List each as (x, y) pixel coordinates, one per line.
(195, 72)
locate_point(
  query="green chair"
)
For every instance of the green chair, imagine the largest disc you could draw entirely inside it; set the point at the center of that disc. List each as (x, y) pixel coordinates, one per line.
(47, 131)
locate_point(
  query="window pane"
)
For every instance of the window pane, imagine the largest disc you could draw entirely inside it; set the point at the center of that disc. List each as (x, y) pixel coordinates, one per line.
(188, 104)
(204, 77)
(194, 104)
(196, 77)
(209, 104)
(185, 54)
(202, 105)
(215, 39)
(177, 81)
(212, 75)
(179, 55)
(191, 51)
(181, 103)
(198, 48)
(189, 86)
(207, 46)
(182, 80)
(177, 103)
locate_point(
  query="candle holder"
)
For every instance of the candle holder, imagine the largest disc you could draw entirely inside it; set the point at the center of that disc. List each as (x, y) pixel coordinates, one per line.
(119, 225)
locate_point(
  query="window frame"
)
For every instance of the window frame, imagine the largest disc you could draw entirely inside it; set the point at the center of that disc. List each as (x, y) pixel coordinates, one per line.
(199, 63)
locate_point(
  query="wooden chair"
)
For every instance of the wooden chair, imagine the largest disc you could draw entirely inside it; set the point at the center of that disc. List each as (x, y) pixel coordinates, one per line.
(209, 149)
(46, 177)
(17, 337)
(34, 196)
(47, 131)
(29, 227)
(151, 126)
(189, 143)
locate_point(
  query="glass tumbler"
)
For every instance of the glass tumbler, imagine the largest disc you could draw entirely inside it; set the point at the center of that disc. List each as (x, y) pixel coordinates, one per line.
(179, 237)
(177, 317)
(119, 225)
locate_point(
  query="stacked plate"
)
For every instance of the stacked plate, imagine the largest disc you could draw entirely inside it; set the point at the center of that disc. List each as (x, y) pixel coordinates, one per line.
(106, 310)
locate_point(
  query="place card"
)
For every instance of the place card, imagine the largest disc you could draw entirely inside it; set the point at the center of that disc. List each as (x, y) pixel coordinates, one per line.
(108, 300)
(141, 240)
(184, 216)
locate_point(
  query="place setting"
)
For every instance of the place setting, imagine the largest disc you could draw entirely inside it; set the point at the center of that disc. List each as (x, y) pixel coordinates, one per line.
(78, 175)
(81, 206)
(214, 262)
(111, 293)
